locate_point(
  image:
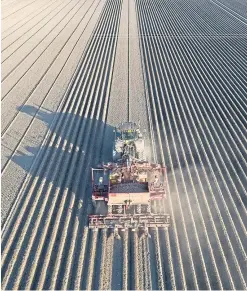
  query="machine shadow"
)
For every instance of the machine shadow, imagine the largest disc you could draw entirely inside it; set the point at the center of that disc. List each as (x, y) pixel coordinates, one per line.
(77, 140)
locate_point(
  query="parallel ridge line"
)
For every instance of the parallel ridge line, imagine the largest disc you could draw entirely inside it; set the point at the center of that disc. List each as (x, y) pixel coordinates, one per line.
(45, 98)
(39, 12)
(18, 10)
(237, 265)
(4, 78)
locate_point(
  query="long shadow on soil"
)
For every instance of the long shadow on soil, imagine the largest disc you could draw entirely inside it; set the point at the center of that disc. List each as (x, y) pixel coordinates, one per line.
(92, 144)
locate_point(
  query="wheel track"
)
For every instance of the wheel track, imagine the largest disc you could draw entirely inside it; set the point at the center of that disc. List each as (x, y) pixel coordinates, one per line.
(216, 28)
(225, 8)
(206, 21)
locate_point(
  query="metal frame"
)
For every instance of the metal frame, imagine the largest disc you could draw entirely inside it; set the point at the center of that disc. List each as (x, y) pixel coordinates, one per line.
(129, 221)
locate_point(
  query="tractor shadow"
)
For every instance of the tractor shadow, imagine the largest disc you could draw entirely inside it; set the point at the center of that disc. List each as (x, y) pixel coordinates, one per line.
(76, 134)
(59, 171)
(79, 143)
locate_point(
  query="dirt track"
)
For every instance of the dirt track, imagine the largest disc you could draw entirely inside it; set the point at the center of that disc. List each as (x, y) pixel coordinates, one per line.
(71, 70)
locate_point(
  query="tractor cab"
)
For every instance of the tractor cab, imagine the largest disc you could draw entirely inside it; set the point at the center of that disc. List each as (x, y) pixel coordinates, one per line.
(128, 141)
(128, 131)
(129, 135)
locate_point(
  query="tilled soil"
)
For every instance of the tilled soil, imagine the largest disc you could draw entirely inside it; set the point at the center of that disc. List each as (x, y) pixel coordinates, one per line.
(72, 70)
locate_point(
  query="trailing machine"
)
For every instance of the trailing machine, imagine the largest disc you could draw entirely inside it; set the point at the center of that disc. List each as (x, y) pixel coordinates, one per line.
(124, 192)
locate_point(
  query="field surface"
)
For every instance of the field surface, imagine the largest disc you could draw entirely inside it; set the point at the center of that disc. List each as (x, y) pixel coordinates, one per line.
(71, 71)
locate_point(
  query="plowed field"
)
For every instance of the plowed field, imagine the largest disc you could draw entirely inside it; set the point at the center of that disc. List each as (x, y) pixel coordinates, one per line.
(74, 69)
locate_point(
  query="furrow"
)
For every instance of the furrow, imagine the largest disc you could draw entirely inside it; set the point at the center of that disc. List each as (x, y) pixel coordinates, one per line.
(86, 115)
(103, 260)
(97, 117)
(146, 264)
(205, 272)
(236, 261)
(213, 127)
(54, 136)
(158, 261)
(4, 32)
(46, 96)
(92, 253)
(18, 10)
(71, 87)
(108, 263)
(171, 276)
(135, 258)
(4, 36)
(125, 260)
(188, 87)
(141, 263)
(12, 51)
(149, 110)
(81, 261)
(160, 142)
